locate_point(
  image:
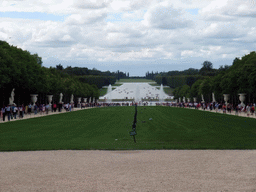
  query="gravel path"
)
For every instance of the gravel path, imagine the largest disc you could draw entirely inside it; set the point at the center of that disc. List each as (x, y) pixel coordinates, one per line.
(151, 170)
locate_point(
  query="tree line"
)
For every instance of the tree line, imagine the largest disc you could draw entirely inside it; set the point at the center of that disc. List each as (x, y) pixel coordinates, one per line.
(240, 77)
(23, 71)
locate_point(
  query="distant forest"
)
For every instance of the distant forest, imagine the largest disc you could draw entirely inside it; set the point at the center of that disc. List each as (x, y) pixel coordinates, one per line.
(239, 77)
(23, 71)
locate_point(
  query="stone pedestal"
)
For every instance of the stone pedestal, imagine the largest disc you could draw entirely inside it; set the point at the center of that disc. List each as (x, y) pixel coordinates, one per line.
(226, 98)
(34, 98)
(242, 98)
(50, 101)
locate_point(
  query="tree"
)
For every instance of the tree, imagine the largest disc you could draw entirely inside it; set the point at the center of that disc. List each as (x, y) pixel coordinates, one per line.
(207, 67)
(38, 59)
(59, 67)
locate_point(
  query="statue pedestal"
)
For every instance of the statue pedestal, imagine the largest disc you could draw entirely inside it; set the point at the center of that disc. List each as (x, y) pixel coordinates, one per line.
(242, 98)
(34, 98)
(50, 101)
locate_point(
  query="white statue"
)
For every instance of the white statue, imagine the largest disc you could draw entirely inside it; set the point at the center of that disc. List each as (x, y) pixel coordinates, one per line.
(213, 98)
(202, 98)
(61, 96)
(72, 99)
(11, 99)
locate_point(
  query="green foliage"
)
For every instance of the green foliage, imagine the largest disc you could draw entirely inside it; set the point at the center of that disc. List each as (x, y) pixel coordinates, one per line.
(23, 71)
(99, 81)
(235, 79)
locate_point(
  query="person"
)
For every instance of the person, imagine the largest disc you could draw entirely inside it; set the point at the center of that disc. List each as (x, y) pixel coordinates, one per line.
(3, 112)
(8, 112)
(54, 107)
(43, 108)
(29, 108)
(248, 110)
(15, 109)
(237, 109)
(40, 109)
(47, 108)
(35, 109)
(21, 111)
(224, 108)
(252, 109)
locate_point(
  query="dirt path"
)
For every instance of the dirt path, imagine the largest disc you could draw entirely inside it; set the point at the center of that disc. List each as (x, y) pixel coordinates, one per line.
(152, 170)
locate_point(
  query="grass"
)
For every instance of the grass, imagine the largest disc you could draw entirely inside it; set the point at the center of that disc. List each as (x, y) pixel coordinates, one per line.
(168, 90)
(98, 128)
(103, 91)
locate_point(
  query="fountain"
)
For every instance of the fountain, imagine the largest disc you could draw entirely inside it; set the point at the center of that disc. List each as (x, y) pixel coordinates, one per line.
(137, 94)
(109, 98)
(161, 95)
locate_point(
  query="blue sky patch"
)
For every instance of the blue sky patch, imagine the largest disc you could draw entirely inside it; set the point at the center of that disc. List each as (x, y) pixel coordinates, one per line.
(33, 15)
(193, 11)
(118, 17)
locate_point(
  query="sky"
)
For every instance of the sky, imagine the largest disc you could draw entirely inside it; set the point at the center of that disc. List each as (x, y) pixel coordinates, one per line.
(131, 36)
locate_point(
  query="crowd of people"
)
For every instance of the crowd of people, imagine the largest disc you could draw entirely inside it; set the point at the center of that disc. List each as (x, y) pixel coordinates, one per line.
(13, 111)
(248, 109)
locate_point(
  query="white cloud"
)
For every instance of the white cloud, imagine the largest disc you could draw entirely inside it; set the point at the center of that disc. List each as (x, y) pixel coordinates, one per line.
(166, 17)
(143, 32)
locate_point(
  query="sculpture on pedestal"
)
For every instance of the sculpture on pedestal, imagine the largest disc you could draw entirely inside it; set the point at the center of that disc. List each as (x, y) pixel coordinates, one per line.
(34, 98)
(194, 98)
(72, 99)
(61, 96)
(226, 98)
(213, 98)
(202, 98)
(184, 99)
(11, 99)
(85, 100)
(242, 98)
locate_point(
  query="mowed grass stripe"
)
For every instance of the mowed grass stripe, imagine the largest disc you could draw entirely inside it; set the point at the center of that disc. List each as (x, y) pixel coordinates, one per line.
(108, 128)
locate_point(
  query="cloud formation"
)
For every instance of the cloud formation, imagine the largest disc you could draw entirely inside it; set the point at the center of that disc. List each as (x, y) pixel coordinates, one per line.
(123, 31)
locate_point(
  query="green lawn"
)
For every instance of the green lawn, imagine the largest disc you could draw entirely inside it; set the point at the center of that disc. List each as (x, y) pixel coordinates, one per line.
(98, 128)
(168, 90)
